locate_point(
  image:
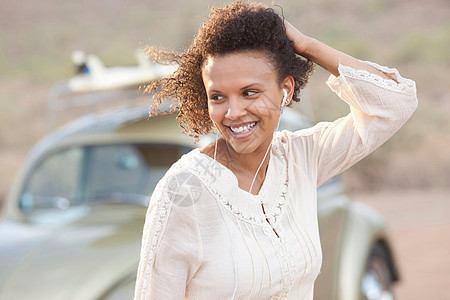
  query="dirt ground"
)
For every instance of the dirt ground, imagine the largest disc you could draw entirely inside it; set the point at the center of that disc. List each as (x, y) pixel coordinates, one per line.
(419, 223)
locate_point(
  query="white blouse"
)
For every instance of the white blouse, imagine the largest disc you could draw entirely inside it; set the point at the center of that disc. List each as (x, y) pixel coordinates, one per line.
(205, 238)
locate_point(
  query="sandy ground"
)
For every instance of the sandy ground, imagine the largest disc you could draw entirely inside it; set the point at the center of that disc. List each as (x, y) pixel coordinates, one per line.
(419, 223)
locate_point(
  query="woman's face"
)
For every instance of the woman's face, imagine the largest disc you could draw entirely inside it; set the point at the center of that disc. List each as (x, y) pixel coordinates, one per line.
(244, 98)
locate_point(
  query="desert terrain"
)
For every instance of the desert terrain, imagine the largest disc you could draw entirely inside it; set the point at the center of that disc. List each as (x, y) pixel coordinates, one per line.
(407, 179)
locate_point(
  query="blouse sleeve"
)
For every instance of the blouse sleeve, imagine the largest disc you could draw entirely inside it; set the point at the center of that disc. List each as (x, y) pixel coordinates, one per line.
(171, 249)
(378, 108)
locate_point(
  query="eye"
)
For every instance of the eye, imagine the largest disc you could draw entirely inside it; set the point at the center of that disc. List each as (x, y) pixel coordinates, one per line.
(216, 97)
(249, 93)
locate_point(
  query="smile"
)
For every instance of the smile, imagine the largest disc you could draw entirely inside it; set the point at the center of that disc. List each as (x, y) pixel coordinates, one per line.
(243, 129)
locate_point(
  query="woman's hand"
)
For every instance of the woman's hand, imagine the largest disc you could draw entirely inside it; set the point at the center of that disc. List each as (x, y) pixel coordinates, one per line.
(301, 41)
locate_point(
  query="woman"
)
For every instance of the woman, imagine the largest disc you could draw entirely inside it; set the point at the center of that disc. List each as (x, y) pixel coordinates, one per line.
(237, 219)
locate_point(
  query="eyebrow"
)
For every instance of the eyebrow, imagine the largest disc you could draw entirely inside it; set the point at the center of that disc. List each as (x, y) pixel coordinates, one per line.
(243, 88)
(247, 86)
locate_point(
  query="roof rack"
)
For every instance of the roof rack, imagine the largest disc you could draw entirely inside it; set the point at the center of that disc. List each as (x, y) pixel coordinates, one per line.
(97, 87)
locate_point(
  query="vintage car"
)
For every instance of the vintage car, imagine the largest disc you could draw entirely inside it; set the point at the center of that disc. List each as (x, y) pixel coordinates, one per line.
(72, 223)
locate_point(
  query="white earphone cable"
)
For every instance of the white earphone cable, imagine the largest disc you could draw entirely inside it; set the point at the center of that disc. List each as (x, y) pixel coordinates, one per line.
(268, 148)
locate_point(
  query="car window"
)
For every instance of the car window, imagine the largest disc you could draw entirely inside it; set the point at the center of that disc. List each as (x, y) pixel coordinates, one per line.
(54, 182)
(127, 172)
(119, 173)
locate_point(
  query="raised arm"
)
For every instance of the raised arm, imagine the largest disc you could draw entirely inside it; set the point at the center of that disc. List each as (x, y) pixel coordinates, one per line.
(380, 100)
(324, 55)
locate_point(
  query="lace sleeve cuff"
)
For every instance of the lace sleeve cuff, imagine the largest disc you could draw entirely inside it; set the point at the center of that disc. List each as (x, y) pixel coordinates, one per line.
(398, 84)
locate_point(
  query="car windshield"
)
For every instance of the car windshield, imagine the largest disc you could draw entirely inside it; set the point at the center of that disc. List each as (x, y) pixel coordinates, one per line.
(119, 173)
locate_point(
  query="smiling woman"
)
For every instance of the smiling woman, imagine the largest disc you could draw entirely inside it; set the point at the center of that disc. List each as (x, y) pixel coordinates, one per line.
(237, 219)
(243, 94)
(227, 30)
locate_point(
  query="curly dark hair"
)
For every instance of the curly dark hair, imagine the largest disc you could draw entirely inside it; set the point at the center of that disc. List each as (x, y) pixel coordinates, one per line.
(234, 28)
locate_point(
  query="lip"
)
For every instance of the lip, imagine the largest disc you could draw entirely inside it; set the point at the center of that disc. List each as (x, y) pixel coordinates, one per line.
(244, 134)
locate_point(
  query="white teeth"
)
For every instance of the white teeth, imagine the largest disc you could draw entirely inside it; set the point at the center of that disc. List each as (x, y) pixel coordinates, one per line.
(243, 129)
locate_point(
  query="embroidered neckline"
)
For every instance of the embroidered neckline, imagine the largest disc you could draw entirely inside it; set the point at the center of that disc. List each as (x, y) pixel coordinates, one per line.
(247, 207)
(242, 204)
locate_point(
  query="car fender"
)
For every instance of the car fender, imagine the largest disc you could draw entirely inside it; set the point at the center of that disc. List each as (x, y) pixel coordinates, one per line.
(122, 289)
(364, 227)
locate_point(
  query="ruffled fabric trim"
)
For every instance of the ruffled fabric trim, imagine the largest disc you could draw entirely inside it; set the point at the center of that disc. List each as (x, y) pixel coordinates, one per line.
(403, 85)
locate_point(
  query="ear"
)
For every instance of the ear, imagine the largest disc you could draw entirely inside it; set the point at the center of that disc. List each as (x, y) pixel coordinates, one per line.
(288, 84)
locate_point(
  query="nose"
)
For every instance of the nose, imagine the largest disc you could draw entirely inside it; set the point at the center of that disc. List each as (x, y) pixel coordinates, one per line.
(236, 108)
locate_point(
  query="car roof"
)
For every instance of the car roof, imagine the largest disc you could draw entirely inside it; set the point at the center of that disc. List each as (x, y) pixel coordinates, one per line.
(107, 120)
(118, 125)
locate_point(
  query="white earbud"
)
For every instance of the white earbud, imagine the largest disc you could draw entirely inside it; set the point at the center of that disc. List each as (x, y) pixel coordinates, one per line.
(284, 102)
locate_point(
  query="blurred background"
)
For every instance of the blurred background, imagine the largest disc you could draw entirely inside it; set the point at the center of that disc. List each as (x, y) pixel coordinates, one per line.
(407, 179)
